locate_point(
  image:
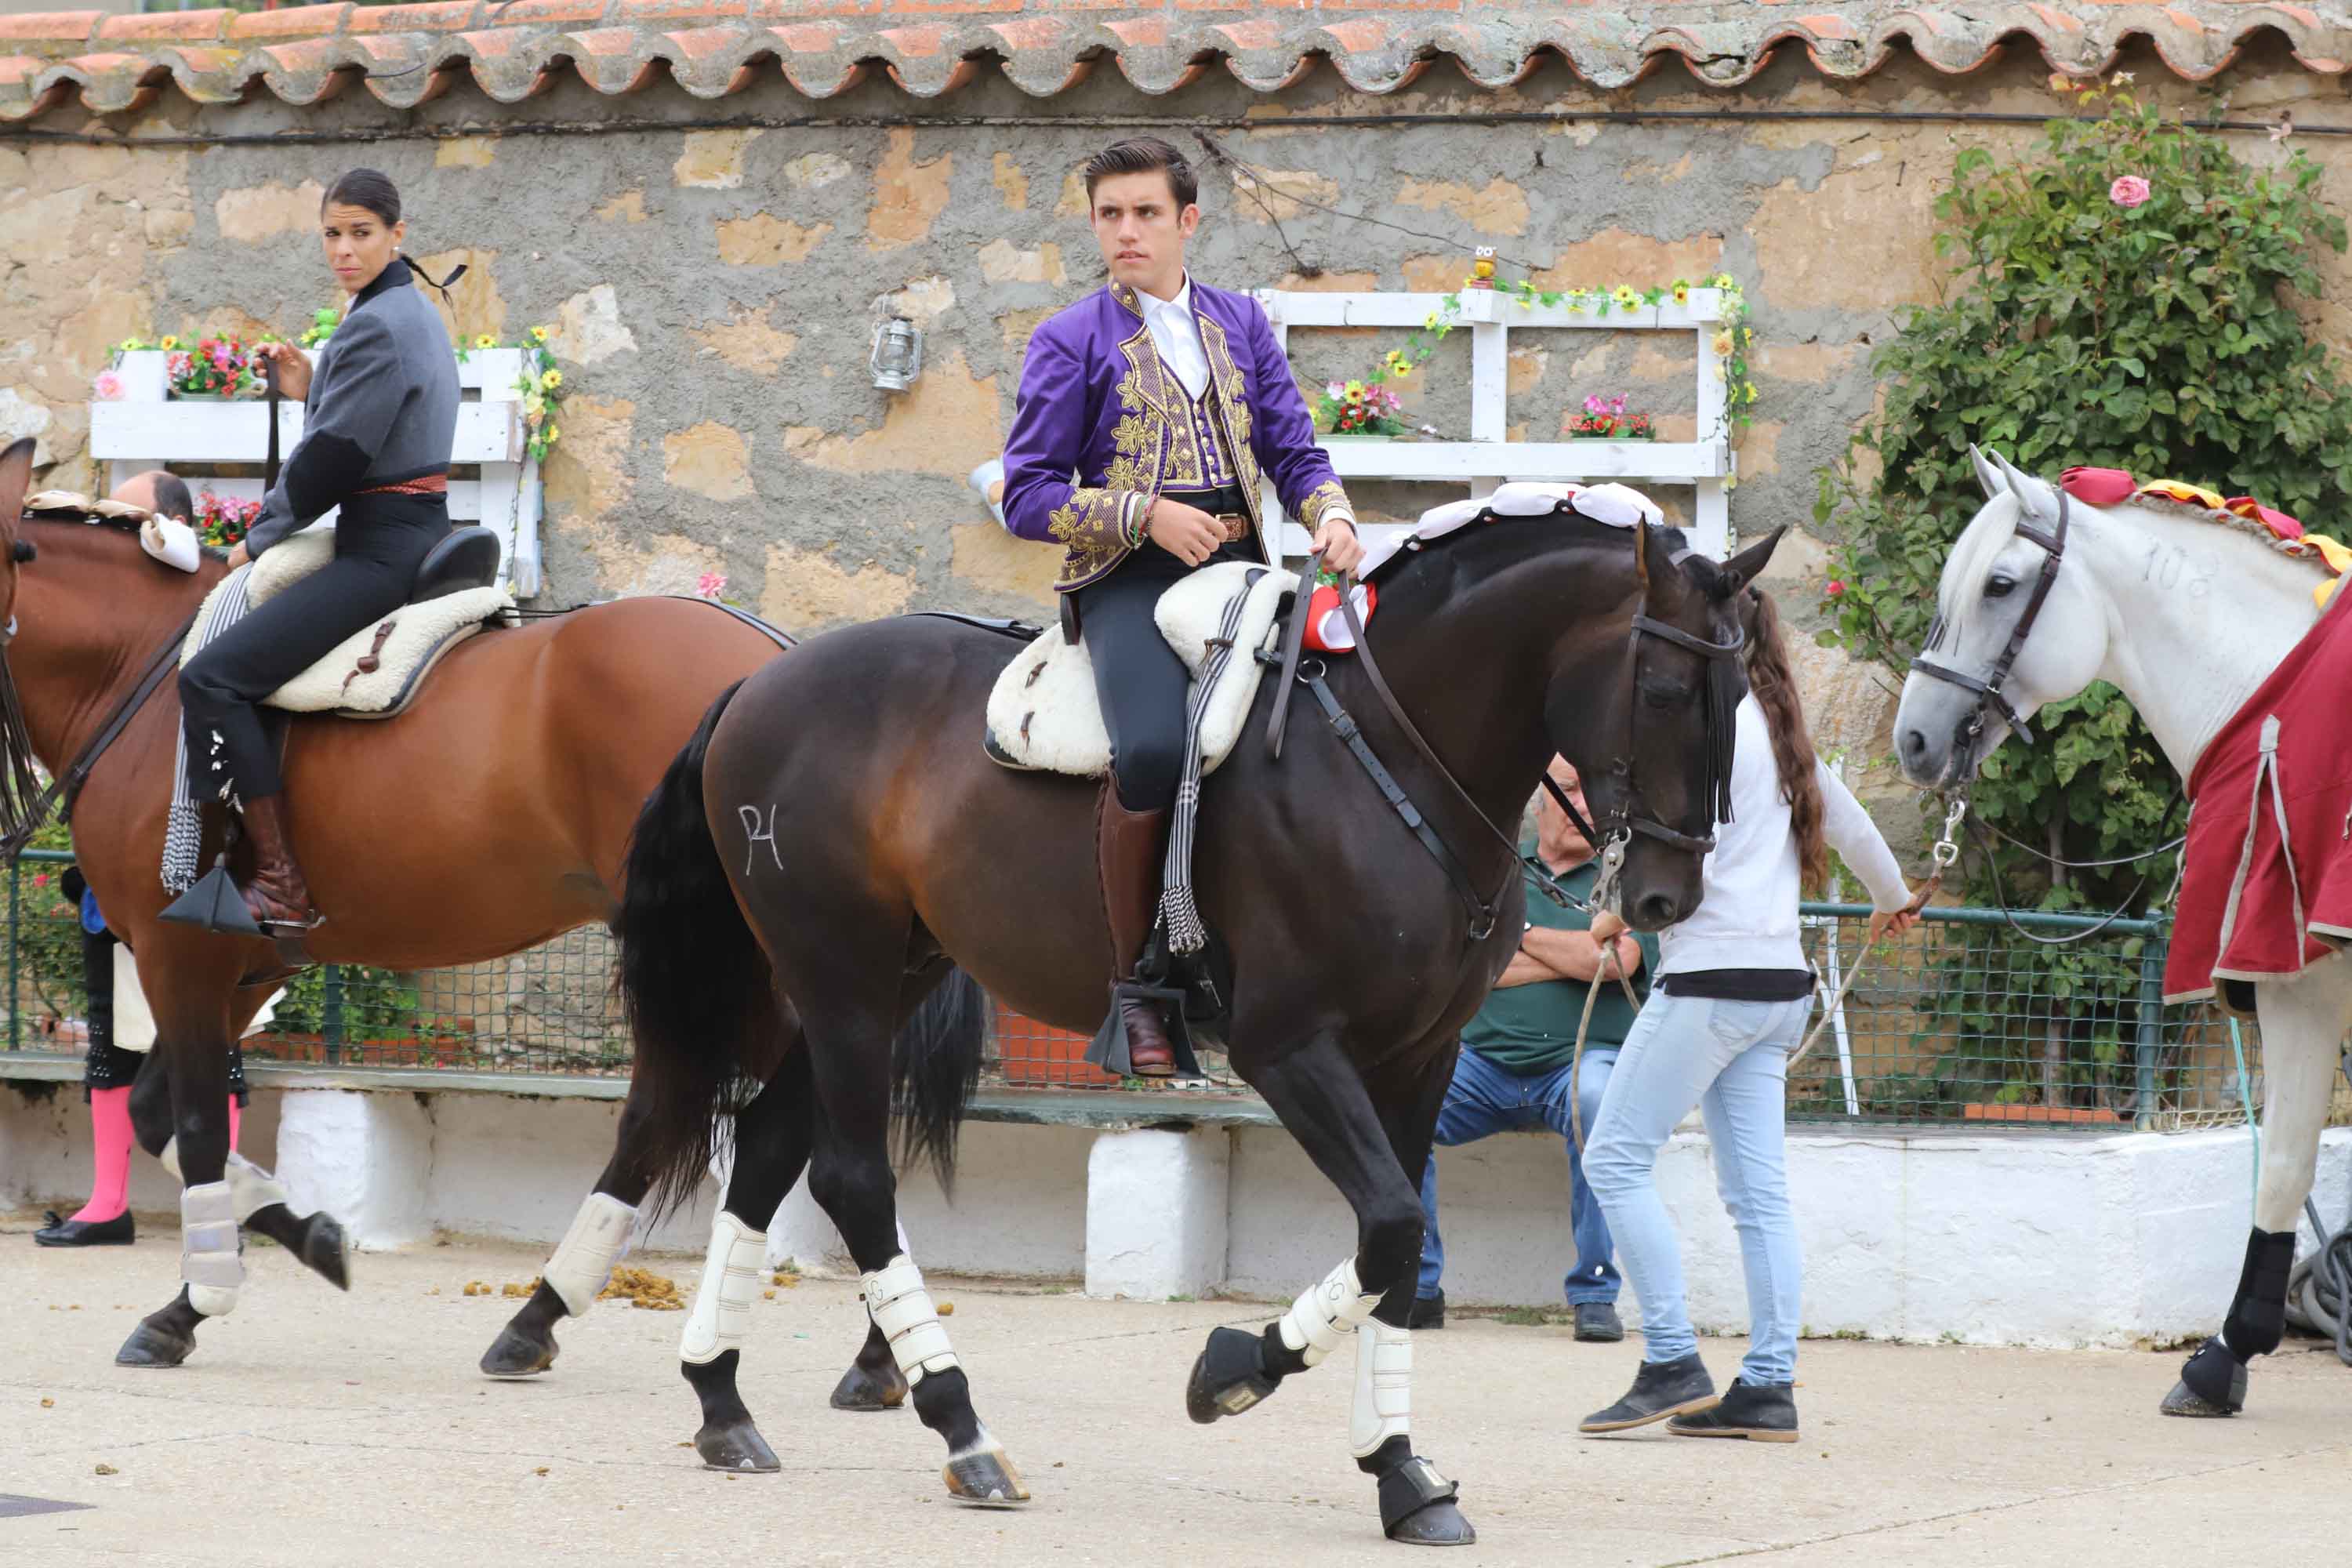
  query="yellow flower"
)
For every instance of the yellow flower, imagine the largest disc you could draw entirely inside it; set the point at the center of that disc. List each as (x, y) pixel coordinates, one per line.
(1724, 280)
(551, 380)
(485, 342)
(1748, 393)
(1723, 342)
(1354, 389)
(534, 406)
(553, 436)
(539, 334)
(1431, 322)
(169, 344)
(1681, 292)
(1402, 370)
(1625, 295)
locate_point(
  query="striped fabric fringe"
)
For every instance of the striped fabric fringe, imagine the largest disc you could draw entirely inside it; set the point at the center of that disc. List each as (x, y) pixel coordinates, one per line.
(1186, 935)
(183, 835)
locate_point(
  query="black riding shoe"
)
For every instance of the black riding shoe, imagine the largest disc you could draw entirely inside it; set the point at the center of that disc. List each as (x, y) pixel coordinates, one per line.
(1662, 1388)
(60, 1232)
(1598, 1322)
(1764, 1412)
(1426, 1313)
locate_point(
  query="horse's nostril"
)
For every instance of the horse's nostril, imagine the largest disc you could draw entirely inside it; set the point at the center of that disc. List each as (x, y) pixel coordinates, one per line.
(1658, 911)
(1915, 743)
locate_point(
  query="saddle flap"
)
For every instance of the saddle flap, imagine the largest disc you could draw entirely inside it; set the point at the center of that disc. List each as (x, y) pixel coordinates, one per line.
(1044, 715)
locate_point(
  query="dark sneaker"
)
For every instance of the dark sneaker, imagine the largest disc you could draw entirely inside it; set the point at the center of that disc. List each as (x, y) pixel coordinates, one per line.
(116, 1232)
(1766, 1412)
(1662, 1388)
(1598, 1321)
(1426, 1313)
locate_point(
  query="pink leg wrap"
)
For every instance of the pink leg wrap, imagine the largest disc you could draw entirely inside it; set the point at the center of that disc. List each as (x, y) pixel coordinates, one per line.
(109, 1131)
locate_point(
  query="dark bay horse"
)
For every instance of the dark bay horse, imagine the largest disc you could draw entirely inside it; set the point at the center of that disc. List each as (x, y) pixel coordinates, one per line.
(834, 834)
(490, 818)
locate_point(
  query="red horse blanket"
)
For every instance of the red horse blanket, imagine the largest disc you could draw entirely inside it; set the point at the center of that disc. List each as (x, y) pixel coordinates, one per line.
(2267, 884)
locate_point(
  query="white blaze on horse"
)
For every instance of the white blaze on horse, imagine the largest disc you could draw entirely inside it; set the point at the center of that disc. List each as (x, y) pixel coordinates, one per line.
(2188, 612)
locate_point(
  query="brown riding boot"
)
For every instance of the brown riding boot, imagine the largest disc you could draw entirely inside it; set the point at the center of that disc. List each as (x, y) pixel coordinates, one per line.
(276, 894)
(1129, 846)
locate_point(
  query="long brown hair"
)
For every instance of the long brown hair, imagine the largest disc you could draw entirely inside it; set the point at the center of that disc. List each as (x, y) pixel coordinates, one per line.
(1774, 684)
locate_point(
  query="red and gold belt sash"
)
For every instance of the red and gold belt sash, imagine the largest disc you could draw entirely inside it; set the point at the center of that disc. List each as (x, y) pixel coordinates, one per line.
(424, 485)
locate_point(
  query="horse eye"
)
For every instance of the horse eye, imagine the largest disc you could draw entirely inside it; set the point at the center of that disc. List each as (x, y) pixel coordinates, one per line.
(2000, 587)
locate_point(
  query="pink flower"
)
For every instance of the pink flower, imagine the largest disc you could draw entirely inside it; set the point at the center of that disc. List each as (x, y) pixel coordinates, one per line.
(40, 878)
(1836, 587)
(711, 584)
(109, 386)
(2128, 191)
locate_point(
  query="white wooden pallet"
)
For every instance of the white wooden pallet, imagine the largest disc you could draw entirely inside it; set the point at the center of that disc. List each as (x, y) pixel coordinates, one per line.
(147, 429)
(1487, 458)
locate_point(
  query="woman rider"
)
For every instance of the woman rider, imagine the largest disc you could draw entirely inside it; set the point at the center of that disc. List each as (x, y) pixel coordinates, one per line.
(380, 421)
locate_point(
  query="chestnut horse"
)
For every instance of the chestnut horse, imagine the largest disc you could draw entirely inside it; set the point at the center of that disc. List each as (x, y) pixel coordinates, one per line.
(834, 834)
(490, 818)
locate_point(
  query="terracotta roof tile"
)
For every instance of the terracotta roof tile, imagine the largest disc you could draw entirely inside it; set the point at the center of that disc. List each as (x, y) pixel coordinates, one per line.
(929, 47)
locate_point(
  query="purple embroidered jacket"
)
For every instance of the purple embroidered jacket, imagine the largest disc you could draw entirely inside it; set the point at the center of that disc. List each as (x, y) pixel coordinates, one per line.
(1096, 402)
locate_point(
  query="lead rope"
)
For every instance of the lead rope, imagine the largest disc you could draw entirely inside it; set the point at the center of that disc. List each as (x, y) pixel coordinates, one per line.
(1946, 852)
(1609, 967)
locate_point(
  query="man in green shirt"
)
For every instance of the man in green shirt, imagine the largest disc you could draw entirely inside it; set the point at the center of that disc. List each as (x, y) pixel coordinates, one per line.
(1517, 1057)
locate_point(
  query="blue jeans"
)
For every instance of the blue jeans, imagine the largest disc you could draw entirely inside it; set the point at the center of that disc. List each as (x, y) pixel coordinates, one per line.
(1732, 1058)
(1485, 1099)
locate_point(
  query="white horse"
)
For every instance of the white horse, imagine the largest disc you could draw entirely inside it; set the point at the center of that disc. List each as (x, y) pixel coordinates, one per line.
(2187, 613)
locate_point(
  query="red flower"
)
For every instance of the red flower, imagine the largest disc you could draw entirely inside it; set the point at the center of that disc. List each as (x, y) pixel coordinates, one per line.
(1836, 587)
(40, 878)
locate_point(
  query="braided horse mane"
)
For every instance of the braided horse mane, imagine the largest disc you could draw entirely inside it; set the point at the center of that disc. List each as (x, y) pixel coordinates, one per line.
(2294, 549)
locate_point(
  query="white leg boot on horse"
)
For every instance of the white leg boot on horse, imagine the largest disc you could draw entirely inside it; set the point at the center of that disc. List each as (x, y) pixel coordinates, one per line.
(2304, 1021)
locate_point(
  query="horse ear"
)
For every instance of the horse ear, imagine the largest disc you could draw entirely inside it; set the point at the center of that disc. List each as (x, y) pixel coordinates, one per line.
(2037, 498)
(15, 478)
(1748, 565)
(1988, 477)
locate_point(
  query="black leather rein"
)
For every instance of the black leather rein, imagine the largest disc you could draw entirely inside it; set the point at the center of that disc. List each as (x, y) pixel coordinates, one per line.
(1986, 690)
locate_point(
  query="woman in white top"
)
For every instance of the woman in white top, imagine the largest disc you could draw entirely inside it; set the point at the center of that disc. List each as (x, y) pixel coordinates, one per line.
(1732, 995)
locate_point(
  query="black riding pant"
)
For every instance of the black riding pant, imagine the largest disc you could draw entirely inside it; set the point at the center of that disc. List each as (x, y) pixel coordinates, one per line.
(1141, 682)
(380, 542)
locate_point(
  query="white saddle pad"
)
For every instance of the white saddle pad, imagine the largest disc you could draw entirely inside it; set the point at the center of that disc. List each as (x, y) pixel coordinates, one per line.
(1042, 715)
(420, 635)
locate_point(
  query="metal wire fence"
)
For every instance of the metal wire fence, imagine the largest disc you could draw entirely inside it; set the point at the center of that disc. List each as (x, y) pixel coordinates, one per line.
(1964, 1022)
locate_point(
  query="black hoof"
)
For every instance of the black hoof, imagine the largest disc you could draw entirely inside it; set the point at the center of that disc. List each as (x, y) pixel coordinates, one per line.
(1418, 1506)
(1439, 1524)
(150, 1346)
(866, 1391)
(517, 1352)
(985, 1480)
(1229, 1377)
(326, 1249)
(2213, 1383)
(734, 1448)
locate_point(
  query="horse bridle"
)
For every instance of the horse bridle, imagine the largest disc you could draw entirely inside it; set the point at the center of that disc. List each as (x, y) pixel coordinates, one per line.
(1988, 692)
(1622, 819)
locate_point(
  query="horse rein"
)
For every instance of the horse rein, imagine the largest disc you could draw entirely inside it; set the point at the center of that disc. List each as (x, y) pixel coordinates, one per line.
(66, 789)
(1483, 911)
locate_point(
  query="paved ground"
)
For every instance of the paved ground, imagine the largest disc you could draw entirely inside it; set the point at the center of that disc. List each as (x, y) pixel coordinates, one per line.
(316, 1428)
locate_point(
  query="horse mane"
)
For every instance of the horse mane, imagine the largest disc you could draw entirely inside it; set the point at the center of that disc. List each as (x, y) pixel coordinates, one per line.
(2253, 527)
(1986, 536)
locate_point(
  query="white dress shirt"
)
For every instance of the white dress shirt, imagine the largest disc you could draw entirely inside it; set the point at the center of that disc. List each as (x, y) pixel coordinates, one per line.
(1178, 338)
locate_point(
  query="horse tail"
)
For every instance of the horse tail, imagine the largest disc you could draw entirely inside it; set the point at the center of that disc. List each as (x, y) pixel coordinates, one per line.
(934, 1068)
(692, 977)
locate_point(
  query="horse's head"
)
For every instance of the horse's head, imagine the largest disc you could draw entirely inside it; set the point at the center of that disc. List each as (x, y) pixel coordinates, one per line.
(15, 478)
(2013, 630)
(1652, 740)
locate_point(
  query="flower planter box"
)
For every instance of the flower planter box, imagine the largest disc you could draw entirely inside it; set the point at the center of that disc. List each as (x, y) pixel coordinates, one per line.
(2068, 1114)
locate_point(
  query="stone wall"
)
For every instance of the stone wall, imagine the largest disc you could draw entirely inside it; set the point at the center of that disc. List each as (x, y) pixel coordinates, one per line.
(708, 287)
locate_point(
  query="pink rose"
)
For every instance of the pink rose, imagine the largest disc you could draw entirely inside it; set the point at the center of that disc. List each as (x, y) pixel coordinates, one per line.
(2128, 191)
(711, 584)
(1836, 587)
(109, 386)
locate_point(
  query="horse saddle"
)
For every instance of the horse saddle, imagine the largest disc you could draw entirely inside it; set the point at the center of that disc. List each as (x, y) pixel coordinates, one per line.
(1044, 716)
(377, 671)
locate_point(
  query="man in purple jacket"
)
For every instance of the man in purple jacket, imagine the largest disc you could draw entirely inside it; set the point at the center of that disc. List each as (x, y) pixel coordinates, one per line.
(1146, 415)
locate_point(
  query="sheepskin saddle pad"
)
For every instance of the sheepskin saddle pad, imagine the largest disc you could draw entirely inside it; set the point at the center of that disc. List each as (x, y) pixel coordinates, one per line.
(1044, 717)
(377, 671)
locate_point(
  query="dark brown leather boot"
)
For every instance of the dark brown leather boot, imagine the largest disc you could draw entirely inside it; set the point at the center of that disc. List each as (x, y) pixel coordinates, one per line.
(275, 895)
(1130, 846)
